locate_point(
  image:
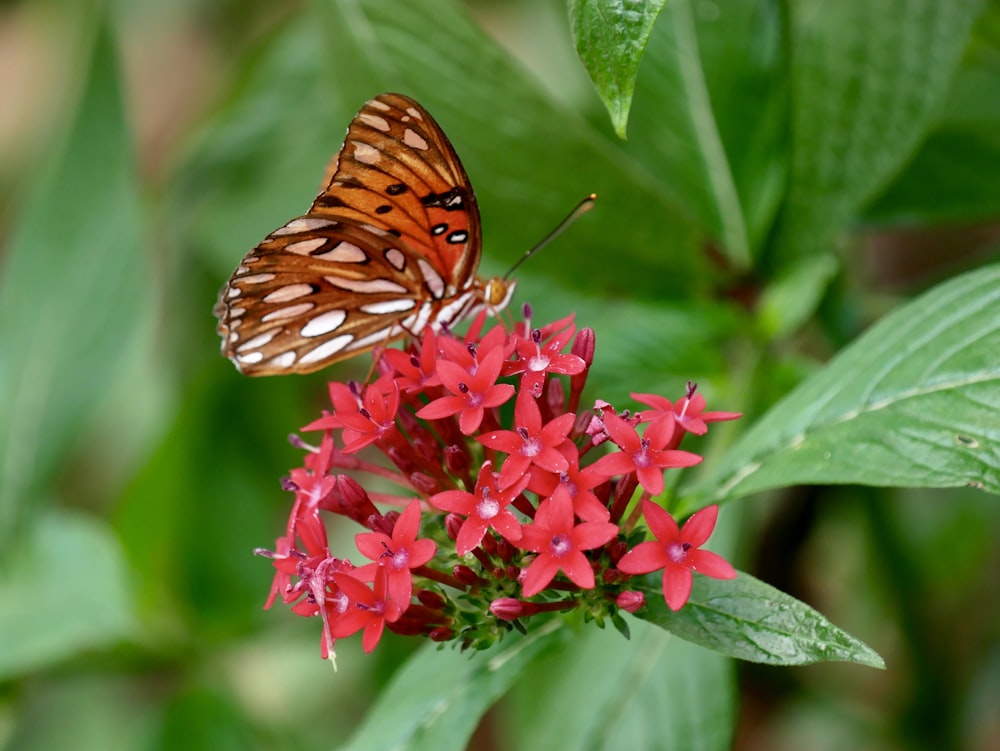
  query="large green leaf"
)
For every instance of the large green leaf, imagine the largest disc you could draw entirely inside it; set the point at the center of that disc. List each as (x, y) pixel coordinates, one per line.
(436, 699)
(610, 37)
(601, 691)
(913, 402)
(953, 176)
(65, 592)
(750, 620)
(868, 80)
(71, 290)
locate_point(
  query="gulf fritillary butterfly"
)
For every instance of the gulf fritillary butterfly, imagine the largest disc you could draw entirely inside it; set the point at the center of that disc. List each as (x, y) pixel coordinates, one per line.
(389, 247)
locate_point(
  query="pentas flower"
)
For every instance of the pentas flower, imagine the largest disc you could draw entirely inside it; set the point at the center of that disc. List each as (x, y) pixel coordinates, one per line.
(676, 551)
(486, 496)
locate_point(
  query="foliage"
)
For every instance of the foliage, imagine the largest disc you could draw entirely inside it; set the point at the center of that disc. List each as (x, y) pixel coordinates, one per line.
(795, 173)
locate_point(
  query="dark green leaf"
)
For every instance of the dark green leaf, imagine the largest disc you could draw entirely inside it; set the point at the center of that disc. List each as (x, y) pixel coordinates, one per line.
(611, 36)
(913, 403)
(750, 620)
(867, 81)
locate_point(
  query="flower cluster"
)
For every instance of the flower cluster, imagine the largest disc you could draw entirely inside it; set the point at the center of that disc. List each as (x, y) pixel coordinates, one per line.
(506, 501)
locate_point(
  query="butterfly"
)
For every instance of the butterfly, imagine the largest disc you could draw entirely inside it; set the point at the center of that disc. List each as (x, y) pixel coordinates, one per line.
(389, 247)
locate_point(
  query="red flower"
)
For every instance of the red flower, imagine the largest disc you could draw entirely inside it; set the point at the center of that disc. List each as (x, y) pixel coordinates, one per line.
(677, 552)
(397, 554)
(645, 456)
(559, 544)
(367, 609)
(473, 391)
(687, 412)
(531, 443)
(484, 509)
(576, 483)
(536, 359)
(415, 373)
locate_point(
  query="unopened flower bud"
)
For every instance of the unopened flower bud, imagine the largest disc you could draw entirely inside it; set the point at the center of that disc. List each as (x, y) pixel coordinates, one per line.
(441, 633)
(457, 460)
(431, 599)
(452, 524)
(630, 601)
(424, 483)
(507, 608)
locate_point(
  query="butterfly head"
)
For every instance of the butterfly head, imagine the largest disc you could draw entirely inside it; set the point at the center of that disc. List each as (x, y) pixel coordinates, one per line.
(497, 293)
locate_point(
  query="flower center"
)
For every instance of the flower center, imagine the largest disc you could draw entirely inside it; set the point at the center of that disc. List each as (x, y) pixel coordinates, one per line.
(677, 551)
(560, 545)
(531, 447)
(640, 457)
(487, 508)
(400, 559)
(538, 363)
(570, 486)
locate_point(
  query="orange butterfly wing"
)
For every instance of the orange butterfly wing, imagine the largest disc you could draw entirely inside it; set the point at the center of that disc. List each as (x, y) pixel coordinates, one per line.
(391, 245)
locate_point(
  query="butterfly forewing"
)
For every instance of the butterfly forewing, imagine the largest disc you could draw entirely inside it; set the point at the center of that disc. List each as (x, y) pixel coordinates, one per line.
(391, 245)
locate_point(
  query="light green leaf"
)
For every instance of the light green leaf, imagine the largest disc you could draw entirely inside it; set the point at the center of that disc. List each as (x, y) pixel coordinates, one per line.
(611, 36)
(791, 299)
(435, 700)
(65, 591)
(71, 290)
(913, 403)
(868, 79)
(601, 691)
(675, 126)
(750, 620)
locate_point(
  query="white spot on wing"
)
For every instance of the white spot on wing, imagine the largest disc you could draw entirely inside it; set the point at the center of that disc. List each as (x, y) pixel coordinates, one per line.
(302, 224)
(413, 140)
(326, 349)
(284, 360)
(289, 312)
(344, 252)
(289, 292)
(414, 113)
(250, 358)
(389, 306)
(255, 278)
(367, 285)
(395, 258)
(233, 293)
(365, 153)
(415, 323)
(379, 123)
(258, 341)
(304, 247)
(324, 323)
(379, 105)
(433, 279)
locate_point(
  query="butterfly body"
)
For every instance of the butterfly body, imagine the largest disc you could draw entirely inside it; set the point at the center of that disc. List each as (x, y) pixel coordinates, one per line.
(389, 247)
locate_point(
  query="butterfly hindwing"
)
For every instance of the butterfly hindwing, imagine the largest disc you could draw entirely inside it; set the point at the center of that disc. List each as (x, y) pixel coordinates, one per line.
(391, 245)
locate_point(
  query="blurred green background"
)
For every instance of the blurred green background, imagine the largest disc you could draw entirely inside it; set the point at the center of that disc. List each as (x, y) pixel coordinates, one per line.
(793, 170)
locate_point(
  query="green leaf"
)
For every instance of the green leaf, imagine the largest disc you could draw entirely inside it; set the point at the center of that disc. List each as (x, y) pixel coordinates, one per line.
(611, 36)
(868, 79)
(912, 403)
(952, 177)
(65, 591)
(71, 290)
(676, 131)
(600, 691)
(750, 620)
(435, 700)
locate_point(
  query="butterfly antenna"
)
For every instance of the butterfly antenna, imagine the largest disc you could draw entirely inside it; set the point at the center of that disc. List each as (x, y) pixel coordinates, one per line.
(581, 208)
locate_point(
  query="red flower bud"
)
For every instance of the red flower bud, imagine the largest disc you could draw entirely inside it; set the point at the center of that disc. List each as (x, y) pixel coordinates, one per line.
(630, 601)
